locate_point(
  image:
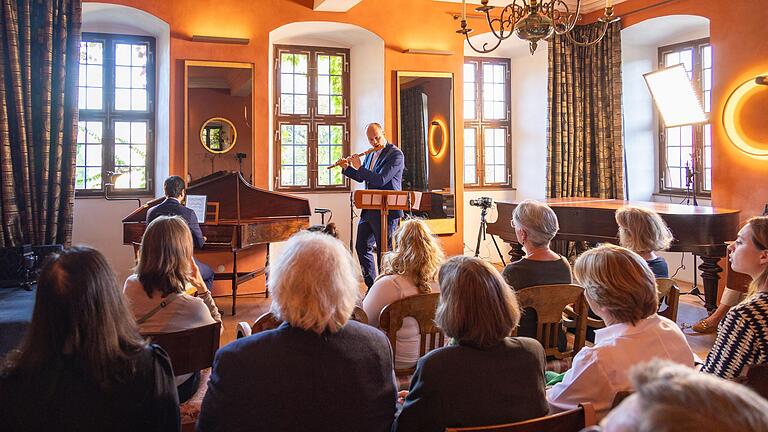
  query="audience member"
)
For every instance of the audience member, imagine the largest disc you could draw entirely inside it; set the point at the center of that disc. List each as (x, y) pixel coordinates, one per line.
(175, 191)
(318, 371)
(409, 270)
(535, 226)
(83, 365)
(156, 292)
(484, 376)
(669, 397)
(620, 289)
(644, 232)
(742, 335)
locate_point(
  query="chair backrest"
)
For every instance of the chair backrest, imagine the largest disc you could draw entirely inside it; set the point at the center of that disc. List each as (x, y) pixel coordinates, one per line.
(359, 315)
(568, 421)
(669, 293)
(757, 379)
(420, 307)
(267, 321)
(620, 396)
(549, 302)
(190, 350)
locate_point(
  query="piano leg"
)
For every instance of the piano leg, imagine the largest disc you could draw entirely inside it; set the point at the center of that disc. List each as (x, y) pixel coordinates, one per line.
(234, 282)
(709, 274)
(266, 275)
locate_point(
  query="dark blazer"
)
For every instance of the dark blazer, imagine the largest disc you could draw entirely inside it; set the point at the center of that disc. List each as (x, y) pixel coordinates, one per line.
(462, 386)
(289, 379)
(172, 207)
(387, 174)
(147, 402)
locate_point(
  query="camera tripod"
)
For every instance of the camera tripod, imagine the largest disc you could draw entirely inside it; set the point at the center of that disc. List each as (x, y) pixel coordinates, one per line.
(481, 235)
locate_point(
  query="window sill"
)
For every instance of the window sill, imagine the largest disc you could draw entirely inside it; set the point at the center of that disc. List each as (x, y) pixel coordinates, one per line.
(676, 198)
(489, 188)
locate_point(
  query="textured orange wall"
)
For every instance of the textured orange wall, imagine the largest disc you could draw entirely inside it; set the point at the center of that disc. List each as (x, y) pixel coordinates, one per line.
(740, 48)
(402, 24)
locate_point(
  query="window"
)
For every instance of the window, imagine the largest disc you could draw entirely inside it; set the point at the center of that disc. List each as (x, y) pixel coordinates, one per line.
(116, 104)
(680, 147)
(311, 117)
(487, 143)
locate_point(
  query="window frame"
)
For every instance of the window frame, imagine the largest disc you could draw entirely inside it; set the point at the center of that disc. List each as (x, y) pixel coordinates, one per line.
(312, 118)
(698, 130)
(480, 124)
(108, 115)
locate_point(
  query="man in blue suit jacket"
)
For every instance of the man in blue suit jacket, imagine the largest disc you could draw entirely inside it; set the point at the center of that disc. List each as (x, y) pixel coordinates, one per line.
(175, 190)
(383, 170)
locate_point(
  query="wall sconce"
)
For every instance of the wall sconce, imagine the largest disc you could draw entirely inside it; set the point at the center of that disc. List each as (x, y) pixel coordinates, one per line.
(731, 124)
(435, 128)
(220, 39)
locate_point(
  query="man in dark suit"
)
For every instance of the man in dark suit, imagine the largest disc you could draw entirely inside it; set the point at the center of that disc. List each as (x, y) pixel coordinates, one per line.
(383, 170)
(175, 191)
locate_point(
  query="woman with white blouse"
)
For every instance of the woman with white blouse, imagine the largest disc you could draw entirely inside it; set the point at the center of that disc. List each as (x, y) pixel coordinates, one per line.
(410, 269)
(620, 289)
(157, 292)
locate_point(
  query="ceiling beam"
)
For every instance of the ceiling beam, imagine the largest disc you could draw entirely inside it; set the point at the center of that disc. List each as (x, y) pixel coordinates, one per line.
(334, 5)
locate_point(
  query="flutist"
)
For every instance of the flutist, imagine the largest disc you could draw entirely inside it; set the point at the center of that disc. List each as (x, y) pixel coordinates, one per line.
(381, 169)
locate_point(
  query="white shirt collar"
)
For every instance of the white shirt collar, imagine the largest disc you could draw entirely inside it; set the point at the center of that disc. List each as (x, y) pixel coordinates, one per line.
(616, 330)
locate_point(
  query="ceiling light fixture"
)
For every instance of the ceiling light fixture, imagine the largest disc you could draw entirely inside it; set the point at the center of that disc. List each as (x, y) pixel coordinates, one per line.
(532, 21)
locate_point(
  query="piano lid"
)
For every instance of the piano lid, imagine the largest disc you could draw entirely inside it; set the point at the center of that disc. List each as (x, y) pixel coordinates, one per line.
(237, 199)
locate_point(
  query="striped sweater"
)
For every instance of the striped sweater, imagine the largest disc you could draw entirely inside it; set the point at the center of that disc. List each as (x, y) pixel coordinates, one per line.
(742, 339)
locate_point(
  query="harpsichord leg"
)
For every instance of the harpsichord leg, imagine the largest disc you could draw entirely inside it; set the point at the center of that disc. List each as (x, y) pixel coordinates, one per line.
(709, 274)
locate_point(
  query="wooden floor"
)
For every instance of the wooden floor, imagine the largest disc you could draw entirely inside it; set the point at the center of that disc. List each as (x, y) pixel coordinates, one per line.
(249, 308)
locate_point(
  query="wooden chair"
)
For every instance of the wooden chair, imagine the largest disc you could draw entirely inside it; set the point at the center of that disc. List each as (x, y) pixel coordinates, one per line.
(191, 351)
(422, 308)
(669, 294)
(136, 251)
(549, 302)
(619, 398)
(268, 321)
(568, 421)
(756, 378)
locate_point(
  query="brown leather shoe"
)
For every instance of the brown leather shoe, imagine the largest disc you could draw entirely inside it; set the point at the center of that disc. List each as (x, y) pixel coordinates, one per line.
(704, 327)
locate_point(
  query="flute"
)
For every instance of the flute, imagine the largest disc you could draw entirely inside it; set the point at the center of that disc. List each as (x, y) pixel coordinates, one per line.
(370, 150)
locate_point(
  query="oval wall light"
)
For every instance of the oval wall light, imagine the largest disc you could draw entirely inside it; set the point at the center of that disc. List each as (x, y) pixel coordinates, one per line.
(436, 148)
(730, 122)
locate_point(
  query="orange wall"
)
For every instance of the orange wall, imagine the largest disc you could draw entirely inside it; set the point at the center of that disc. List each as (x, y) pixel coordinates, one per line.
(402, 24)
(740, 48)
(208, 103)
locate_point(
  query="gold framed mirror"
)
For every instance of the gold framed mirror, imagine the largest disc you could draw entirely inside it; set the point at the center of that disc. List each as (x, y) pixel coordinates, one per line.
(426, 137)
(218, 118)
(218, 135)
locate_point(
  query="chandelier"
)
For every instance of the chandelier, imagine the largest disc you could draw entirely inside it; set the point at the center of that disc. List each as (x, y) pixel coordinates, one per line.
(533, 20)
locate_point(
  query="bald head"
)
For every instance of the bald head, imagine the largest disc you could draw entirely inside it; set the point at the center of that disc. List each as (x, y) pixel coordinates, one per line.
(375, 135)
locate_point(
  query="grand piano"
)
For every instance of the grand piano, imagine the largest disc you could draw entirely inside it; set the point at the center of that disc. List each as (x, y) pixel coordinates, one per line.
(701, 231)
(239, 217)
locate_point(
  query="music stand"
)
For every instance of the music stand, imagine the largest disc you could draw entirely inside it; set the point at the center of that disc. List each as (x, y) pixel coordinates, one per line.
(384, 201)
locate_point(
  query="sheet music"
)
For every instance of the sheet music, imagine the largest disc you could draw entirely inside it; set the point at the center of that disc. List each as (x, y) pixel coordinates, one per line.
(197, 203)
(376, 199)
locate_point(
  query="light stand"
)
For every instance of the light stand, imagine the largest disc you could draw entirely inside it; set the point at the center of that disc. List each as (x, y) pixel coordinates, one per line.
(690, 180)
(481, 235)
(322, 212)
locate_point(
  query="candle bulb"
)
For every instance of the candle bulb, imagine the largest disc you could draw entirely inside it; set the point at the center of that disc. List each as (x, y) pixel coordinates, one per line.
(608, 3)
(464, 10)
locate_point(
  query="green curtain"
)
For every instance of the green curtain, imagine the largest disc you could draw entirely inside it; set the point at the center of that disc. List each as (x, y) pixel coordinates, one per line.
(38, 119)
(584, 133)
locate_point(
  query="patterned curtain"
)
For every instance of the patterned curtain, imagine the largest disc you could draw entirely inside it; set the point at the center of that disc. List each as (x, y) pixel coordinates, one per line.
(413, 121)
(38, 119)
(584, 134)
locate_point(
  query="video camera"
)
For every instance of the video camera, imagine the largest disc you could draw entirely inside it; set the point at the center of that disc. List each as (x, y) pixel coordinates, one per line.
(482, 202)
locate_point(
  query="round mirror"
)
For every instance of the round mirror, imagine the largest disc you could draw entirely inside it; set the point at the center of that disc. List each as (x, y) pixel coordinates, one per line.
(218, 135)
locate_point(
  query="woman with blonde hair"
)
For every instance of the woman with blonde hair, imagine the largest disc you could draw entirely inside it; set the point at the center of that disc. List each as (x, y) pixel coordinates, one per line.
(620, 289)
(157, 292)
(644, 232)
(318, 370)
(742, 335)
(410, 269)
(483, 376)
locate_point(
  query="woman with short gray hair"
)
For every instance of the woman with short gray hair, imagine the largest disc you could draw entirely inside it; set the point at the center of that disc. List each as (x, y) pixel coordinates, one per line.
(535, 226)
